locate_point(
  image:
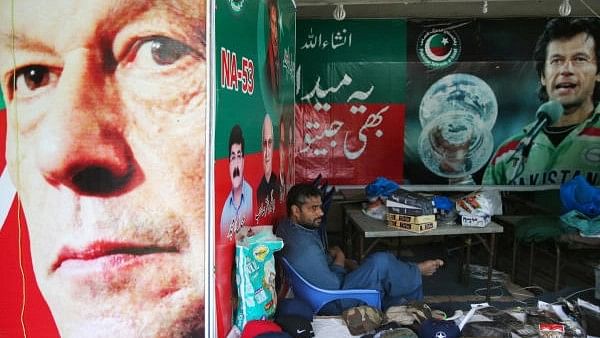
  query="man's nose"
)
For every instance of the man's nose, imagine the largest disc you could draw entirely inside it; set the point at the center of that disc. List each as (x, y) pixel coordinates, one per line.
(82, 144)
(566, 67)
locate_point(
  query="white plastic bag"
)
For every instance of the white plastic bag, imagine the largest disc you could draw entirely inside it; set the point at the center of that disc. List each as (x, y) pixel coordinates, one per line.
(476, 209)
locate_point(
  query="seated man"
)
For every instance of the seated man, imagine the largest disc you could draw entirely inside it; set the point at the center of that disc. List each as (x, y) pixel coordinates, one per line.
(329, 269)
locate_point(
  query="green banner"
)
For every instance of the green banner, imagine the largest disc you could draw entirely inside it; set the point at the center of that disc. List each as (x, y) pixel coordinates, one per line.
(243, 37)
(371, 52)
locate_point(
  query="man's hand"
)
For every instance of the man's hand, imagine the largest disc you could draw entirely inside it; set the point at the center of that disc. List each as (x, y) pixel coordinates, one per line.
(351, 264)
(429, 267)
(338, 255)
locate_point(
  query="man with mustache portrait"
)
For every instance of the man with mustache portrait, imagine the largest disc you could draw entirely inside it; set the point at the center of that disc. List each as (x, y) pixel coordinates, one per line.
(106, 145)
(237, 210)
(567, 59)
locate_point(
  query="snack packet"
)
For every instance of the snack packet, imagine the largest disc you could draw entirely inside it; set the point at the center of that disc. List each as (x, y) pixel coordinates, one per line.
(551, 330)
(255, 273)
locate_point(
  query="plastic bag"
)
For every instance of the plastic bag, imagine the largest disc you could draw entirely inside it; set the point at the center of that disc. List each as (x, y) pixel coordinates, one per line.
(476, 209)
(578, 194)
(380, 188)
(255, 273)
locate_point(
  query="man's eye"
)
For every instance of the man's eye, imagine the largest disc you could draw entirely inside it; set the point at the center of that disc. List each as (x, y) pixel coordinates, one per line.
(29, 81)
(31, 78)
(166, 51)
(159, 50)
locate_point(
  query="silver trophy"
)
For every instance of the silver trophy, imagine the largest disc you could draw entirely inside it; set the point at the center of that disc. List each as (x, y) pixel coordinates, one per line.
(457, 114)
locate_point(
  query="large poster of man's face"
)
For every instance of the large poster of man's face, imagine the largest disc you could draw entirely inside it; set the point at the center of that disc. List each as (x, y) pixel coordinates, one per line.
(106, 111)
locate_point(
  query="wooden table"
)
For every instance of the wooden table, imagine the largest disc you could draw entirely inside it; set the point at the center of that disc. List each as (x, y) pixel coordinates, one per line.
(566, 240)
(368, 227)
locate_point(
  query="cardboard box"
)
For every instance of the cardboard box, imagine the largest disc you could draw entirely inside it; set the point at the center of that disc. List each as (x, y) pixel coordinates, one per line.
(412, 227)
(410, 218)
(475, 221)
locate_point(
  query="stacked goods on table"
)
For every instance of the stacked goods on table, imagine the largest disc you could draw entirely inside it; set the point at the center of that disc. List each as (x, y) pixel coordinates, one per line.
(411, 211)
(411, 223)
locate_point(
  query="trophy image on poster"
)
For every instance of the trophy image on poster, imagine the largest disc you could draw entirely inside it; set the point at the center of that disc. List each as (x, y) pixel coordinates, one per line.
(457, 114)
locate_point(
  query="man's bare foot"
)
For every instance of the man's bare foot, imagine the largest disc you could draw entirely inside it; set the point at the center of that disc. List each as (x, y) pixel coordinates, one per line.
(429, 267)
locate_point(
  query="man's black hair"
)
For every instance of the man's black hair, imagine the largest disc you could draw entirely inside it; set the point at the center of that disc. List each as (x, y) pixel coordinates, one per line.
(298, 195)
(565, 28)
(236, 137)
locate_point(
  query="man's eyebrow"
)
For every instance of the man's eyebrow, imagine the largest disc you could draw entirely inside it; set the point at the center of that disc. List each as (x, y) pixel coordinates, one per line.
(559, 55)
(121, 14)
(20, 42)
(5, 39)
(193, 15)
(554, 56)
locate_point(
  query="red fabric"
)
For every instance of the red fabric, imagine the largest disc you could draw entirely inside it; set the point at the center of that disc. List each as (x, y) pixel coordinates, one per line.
(257, 327)
(346, 148)
(20, 289)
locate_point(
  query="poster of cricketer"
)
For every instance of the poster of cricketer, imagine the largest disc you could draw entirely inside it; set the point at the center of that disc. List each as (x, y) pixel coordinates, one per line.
(478, 101)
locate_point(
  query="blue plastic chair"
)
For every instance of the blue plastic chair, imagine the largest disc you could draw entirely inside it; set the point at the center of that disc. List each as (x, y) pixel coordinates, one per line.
(317, 297)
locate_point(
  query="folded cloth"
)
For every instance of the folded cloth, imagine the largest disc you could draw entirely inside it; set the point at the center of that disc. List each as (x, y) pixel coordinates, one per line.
(399, 314)
(420, 310)
(362, 319)
(409, 313)
(586, 225)
(534, 229)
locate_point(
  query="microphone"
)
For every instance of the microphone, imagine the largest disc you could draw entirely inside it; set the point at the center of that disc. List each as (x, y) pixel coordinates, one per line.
(550, 111)
(546, 114)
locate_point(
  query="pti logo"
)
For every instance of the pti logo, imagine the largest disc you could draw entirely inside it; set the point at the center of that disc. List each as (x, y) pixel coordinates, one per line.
(438, 48)
(236, 5)
(592, 155)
